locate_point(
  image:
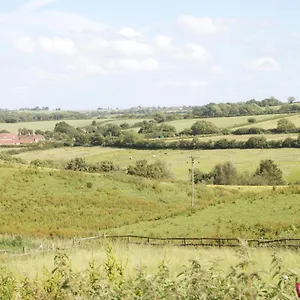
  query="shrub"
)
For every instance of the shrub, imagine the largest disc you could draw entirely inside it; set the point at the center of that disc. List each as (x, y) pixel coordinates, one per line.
(89, 185)
(269, 171)
(204, 127)
(157, 170)
(224, 174)
(256, 142)
(78, 164)
(251, 120)
(285, 126)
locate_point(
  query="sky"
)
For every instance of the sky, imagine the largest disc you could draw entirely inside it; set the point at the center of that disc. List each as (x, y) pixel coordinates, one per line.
(120, 54)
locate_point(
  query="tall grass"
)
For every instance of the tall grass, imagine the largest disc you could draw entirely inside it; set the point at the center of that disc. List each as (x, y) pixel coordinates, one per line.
(131, 272)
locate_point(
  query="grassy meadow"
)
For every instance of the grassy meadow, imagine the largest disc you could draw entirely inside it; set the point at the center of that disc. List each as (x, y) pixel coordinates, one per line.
(179, 160)
(61, 203)
(222, 122)
(245, 137)
(42, 125)
(137, 272)
(269, 124)
(54, 203)
(135, 257)
(266, 214)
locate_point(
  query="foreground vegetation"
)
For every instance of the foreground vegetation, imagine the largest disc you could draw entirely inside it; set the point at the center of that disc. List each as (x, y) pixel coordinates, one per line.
(201, 274)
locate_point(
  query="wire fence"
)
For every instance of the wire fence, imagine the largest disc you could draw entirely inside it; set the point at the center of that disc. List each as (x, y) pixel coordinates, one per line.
(204, 242)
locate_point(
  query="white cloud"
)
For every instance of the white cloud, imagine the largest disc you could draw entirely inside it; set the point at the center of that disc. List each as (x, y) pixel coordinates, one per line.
(131, 48)
(163, 41)
(130, 33)
(263, 64)
(57, 45)
(24, 44)
(95, 70)
(57, 22)
(216, 69)
(197, 83)
(38, 75)
(194, 52)
(35, 4)
(97, 44)
(147, 65)
(174, 84)
(200, 25)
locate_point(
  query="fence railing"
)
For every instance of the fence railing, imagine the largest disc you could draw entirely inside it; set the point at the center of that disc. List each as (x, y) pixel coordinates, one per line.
(288, 243)
(197, 242)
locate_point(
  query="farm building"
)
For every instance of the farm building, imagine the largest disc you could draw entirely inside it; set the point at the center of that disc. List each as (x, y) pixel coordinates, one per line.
(14, 139)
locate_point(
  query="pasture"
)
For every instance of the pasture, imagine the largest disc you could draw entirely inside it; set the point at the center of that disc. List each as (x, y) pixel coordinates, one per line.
(222, 122)
(265, 214)
(245, 137)
(42, 125)
(179, 160)
(269, 124)
(66, 204)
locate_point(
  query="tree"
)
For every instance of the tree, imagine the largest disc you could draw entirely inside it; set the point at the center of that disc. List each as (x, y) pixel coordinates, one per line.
(157, 170)
(269, 171)
(204, 127)
(285, 126)
(64, 127)
(291, 99)
(77, 164)
(256, 142)
(159, 117)
(224, 174)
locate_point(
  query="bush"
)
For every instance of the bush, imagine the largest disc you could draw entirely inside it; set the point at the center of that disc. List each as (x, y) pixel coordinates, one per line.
(42, 163)
(78, 164)
(251, 120)
(285, 126)
(224, 174)
(157, 170)
(204, 127)
(270, 172)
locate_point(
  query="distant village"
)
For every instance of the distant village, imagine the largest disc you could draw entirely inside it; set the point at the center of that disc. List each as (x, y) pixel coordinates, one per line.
(15, 139)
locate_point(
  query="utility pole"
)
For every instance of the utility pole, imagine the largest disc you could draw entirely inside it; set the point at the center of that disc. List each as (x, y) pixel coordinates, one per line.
(193, 181)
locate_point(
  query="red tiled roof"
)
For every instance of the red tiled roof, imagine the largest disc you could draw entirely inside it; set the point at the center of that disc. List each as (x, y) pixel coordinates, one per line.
(12, 139)
(8, 136)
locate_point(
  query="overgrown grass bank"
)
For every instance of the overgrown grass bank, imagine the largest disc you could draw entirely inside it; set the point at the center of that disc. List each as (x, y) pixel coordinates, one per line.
(132, 272)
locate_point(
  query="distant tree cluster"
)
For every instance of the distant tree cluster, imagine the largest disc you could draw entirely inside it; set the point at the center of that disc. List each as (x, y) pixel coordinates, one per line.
(7, 116)
(157, 170)
(268, 173)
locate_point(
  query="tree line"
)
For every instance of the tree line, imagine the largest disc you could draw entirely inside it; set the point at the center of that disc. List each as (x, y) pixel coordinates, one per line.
(267, 173)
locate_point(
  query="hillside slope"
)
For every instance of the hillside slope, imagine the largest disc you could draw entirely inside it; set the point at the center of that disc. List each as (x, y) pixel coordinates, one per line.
(268, 214)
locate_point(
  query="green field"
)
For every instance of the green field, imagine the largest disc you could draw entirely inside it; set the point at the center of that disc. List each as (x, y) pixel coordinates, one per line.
(221, 122)
(250, 216)
(137, 272)
(42, 125)
(150, 257)
(179, 160)
(274, 137)
(60, 203)
(269, 124)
